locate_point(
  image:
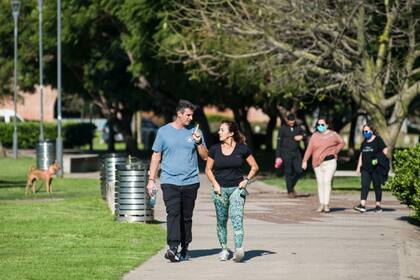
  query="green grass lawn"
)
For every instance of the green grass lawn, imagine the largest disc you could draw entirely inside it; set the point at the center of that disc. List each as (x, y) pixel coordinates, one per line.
(309, 184)
(100, 145)
(69, 234)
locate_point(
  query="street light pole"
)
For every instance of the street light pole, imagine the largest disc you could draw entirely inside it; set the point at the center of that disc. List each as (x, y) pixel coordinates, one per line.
(41, 85)
(15, 12)
(59, 141)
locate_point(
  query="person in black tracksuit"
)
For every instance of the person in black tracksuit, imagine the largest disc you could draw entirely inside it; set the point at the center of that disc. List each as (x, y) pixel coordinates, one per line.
(373, 166)
(288, 150)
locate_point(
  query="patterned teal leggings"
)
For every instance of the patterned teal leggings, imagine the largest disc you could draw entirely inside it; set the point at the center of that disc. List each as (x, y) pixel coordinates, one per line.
(231, 200)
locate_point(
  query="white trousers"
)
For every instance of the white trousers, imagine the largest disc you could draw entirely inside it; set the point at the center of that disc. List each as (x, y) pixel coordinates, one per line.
(324, 174)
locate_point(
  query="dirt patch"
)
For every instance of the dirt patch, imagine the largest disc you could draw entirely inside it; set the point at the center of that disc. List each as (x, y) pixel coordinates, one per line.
(277, 208)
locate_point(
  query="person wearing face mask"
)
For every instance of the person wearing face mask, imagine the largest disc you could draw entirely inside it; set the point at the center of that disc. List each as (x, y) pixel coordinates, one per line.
(373, 167)
(224, 170)
(324, 146)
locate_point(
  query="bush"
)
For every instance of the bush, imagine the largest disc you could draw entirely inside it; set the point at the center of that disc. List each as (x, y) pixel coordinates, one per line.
(74, 134)
(78, 134)
(405, 185)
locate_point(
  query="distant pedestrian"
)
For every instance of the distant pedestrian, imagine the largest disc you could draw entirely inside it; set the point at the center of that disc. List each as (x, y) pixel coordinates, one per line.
(288, 152)
(373, 166)
(324, 146)
(224, 170)
(177, 144)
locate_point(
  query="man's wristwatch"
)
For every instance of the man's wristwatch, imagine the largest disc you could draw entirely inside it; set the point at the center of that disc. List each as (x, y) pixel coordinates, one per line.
(199, 142)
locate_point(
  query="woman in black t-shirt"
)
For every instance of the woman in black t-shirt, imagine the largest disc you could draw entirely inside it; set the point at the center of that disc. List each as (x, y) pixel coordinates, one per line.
(224, 170)
(372, 161)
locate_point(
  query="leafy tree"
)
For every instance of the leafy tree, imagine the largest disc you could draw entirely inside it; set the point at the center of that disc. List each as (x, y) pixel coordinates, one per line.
(367, 48)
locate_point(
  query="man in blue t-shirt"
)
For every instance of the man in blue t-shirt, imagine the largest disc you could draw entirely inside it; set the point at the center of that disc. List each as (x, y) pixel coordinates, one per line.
(177, 144)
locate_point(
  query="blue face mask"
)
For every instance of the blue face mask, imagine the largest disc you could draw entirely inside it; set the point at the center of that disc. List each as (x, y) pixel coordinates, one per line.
(367, 134)
(321, 127)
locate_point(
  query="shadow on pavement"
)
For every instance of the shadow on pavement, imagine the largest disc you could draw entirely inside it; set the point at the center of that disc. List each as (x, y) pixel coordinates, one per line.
(383, 210)
(410, 220)
(337, 209)
(303, 195)
(204, 252)
(256, 253)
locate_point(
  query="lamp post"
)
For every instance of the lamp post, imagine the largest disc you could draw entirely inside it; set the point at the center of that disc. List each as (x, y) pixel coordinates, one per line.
(59, 141)
(15, 12)
(41, 70)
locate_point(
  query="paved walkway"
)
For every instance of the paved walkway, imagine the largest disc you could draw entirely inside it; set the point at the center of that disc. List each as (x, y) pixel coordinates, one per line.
(285, 239)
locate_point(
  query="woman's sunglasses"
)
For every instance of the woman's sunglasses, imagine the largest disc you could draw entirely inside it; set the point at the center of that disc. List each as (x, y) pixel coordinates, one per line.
(321, 124)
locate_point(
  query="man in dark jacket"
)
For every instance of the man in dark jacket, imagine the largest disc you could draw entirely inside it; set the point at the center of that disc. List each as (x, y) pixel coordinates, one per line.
(288, 150)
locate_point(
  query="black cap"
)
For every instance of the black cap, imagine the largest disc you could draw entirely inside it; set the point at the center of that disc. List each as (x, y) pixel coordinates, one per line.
(291, 117)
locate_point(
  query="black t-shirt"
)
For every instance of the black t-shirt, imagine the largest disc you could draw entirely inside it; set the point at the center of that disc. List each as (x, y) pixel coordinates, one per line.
(228, 169)
(370, 151)
(286, 142)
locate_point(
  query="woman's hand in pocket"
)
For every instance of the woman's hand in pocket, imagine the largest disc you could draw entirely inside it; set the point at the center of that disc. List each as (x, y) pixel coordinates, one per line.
(243, 184)
(216, 189)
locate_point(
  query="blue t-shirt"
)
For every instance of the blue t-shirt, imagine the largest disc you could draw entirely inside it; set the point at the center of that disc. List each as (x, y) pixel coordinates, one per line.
(179, 155)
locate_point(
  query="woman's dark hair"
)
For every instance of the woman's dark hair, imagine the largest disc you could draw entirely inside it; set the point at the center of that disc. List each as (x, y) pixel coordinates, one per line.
(325, 120)
(371, 127)
(237, 134)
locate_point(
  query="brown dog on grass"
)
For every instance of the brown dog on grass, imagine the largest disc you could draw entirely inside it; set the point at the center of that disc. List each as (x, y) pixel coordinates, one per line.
(44, 175)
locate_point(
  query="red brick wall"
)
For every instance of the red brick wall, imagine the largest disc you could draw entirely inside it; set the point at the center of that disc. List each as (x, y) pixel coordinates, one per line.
(28, 105)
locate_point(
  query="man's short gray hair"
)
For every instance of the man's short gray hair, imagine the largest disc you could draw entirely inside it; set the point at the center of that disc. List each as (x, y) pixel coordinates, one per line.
(184, 104)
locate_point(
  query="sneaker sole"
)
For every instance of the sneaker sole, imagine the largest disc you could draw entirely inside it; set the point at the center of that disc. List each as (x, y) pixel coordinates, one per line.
(171, 258)
(359, 209)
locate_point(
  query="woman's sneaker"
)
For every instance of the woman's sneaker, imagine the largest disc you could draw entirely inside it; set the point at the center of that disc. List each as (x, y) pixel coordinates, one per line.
(224, 255)
(378, 209)
(360, 208)
(172, 255)
(239, 254)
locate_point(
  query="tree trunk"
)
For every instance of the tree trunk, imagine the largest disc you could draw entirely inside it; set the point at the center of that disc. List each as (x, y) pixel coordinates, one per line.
(352, 133)
(111, 135)
(125, 125)
(269, 132)
(204, 126)
(244, 125)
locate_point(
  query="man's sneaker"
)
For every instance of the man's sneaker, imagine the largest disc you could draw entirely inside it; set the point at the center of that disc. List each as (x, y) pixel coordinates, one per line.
(239, 254)
(172, 255)
(224, 255)
(184, 255)
(360, 208)
(378, 209)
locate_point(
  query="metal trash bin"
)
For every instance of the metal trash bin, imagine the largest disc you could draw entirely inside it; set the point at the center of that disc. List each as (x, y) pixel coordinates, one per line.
(108, 170)
(45, 154)
(131, 193)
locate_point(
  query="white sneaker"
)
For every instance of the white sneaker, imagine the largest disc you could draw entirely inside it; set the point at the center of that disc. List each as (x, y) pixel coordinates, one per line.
(239, 254)
(224, 255)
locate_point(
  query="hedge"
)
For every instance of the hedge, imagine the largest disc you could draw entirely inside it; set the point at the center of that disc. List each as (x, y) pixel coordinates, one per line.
(405, 185)
(74, 134)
